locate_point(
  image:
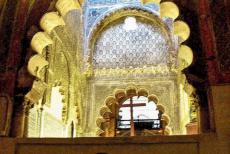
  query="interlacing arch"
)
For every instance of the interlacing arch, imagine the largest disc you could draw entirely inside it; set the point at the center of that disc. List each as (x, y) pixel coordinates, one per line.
(106, 121)
(43, 40)
(42, 43)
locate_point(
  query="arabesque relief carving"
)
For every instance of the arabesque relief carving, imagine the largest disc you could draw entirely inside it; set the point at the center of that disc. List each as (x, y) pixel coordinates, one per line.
(92, 62)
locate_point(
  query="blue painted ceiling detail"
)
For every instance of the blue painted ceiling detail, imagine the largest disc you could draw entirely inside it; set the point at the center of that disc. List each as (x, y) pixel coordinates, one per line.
(93, 9)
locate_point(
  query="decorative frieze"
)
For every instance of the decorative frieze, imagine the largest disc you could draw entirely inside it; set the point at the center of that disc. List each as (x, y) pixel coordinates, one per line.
(134, 72)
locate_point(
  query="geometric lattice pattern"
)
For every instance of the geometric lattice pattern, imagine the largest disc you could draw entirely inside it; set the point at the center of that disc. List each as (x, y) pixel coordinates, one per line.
(147, 45)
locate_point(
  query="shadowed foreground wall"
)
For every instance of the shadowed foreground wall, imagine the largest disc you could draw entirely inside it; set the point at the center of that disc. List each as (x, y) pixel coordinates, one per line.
(221, 102)
(139, 145)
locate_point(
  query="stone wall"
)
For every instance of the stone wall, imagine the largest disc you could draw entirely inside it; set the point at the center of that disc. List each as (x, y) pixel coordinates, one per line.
(221, 103)
(165, 88)
(147, 145)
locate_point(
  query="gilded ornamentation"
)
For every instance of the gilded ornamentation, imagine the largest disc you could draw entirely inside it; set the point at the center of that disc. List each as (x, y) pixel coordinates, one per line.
(40, 42)
(51, 20)
(159, 70)
(36, 66)
(182, 30)
(37, 92)
(185, 57)
(108, 113)
(65, 6)
(107, 56)
(169, 9)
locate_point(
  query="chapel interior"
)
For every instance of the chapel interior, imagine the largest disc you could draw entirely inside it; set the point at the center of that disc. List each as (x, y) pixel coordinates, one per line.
(114, 76)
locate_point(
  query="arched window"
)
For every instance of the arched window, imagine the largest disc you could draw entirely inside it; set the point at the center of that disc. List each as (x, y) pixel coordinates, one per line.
(137, 114)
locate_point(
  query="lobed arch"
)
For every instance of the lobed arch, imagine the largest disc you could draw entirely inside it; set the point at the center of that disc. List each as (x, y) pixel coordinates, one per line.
(65, 6)
(177, 31)
(167, 9)
(118, 13)
(43, 44)
(42, 40)
(106, 121)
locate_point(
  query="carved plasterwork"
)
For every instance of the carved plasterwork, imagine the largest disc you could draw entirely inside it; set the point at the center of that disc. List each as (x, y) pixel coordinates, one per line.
(37, 65)
(119, 13)
(145, 18)
(40, 42)
(101, 26)
(160, 70)
(185, 57)
(182, 30)
(85, 89)
(116, 47)
(108, 113)
(193, 98)
(95, 15)
(165, 89)
(37, 92)
(51, 20)
(169, 9)
(65, 6)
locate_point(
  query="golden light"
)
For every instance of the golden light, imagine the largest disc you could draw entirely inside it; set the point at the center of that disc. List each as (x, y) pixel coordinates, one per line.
(40, 41)
(81, 2)
(51, 20)
(36, 64)
(169, 9)
(65, 6)
(185, 56)
(182, 30)
(56, 102)
(130, 23)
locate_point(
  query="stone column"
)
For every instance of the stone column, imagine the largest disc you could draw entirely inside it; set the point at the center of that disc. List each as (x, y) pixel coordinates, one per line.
(41, 112)
(26, 111)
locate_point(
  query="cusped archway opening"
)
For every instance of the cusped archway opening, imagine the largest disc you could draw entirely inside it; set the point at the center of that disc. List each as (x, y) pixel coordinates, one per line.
(132, 112)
